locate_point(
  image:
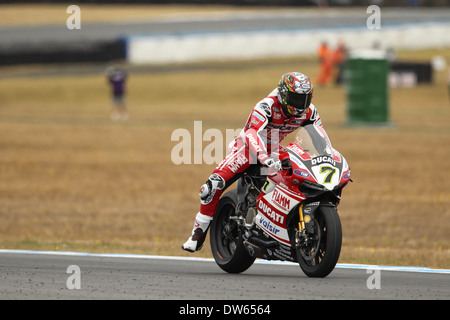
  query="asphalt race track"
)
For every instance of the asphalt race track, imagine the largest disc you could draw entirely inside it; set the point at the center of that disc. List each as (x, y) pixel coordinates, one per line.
(47, 276)
(38, 275)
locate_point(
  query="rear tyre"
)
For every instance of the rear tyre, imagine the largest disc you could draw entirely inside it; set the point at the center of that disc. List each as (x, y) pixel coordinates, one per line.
(319, 258)
(226, 241)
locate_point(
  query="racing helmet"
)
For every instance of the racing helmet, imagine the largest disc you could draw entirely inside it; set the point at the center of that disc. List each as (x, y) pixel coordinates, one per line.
(295, 91)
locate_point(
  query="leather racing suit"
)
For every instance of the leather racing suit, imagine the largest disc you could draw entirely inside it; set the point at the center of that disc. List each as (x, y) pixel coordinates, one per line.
(259, 140)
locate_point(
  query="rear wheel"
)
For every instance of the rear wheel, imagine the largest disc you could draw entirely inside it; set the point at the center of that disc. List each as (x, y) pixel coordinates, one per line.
(226, 241)
(318, 256)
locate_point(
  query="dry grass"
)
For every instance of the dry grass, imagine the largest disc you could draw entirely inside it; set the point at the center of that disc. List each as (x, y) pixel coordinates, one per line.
(39, 14)
(71, 179)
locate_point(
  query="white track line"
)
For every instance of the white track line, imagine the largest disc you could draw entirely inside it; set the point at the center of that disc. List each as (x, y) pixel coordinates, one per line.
(156, 257)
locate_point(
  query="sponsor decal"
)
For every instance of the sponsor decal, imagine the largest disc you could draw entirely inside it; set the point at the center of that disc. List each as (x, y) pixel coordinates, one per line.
(322, 159)
(254, 142)
(346, 176)
(265, 107)
(260, 117)
(296, 122)
(271, 213)
(314, 115)
(268, 225)
(282, 200)
(296, 149)
(238, 162)
(282, 127)
(302, 173)
(337, 156)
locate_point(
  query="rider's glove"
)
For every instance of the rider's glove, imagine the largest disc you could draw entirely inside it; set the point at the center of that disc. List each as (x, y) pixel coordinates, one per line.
(273, 164)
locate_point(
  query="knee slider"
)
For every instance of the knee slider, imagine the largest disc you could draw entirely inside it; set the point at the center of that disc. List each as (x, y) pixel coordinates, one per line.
(208, 190)
(205, 190)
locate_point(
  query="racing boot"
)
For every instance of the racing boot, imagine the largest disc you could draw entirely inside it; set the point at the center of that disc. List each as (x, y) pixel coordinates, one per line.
(196, 240)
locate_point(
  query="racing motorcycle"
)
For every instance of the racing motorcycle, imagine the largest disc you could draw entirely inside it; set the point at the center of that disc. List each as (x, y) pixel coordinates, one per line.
(291, 216)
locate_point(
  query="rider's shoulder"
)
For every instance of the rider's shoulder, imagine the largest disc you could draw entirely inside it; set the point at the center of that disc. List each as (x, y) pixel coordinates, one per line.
(312, 113)
(265, 105)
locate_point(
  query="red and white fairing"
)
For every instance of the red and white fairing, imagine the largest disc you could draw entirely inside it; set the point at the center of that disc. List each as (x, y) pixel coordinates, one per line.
(273, 208)
(313, 162)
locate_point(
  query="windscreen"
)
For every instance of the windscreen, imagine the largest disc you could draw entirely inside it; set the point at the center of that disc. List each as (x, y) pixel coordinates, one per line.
(314, 140)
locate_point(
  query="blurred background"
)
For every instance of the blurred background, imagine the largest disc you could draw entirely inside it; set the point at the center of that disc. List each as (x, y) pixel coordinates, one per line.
(91, 94)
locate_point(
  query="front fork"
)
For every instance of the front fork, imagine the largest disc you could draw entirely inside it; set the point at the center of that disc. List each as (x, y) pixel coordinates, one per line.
(300, 234)
(307, 236)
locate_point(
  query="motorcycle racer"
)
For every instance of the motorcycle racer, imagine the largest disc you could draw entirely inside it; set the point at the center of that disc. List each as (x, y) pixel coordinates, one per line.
(287, 108)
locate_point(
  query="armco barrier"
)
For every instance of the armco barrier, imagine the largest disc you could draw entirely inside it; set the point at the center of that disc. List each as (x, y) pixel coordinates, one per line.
(187, 47)
(423, 72)
(226, 45)
(62, 52)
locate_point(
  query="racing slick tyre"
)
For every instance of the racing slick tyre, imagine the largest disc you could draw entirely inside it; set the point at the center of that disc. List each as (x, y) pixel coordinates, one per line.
(226, 240)
(319, 258)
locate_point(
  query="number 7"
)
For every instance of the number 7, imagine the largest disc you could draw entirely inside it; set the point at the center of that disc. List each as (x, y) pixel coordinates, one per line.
(329, 176)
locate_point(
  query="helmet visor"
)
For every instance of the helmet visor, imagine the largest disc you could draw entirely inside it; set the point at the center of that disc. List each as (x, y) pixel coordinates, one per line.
(300, 102)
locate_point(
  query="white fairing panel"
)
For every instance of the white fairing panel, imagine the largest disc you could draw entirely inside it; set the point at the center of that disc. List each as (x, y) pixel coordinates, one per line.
(273, 208)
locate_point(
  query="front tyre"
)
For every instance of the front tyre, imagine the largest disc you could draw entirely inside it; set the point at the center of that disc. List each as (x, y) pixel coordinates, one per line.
(226, 241)
(319, 257)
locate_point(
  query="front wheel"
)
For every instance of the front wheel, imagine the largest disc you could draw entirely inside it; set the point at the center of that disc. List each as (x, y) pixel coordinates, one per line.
(319, 256)
(226, 241)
